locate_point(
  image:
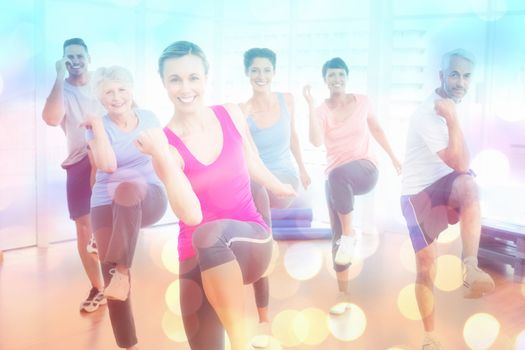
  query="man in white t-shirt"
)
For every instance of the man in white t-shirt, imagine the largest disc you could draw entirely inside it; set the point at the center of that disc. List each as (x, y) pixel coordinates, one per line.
(438, 188)
(70, 100)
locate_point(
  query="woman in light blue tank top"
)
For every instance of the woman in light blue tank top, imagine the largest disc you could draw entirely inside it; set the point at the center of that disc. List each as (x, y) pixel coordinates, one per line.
(270, 117)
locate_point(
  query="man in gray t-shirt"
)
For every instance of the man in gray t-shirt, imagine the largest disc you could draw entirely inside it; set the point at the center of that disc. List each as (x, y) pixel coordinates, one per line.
(438, 188)
(70, 100)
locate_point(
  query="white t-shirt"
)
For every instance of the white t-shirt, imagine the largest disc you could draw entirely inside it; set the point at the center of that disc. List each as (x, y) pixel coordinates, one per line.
(79, 102)
(427, 135)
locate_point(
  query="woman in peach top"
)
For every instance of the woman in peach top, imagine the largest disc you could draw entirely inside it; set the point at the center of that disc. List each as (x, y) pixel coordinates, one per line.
(344, 123)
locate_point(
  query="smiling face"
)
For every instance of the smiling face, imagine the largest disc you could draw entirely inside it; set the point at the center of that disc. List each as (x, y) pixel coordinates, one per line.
(116, 97)
(455, 79)
(261, 73)
(335, 79)
(185, 81)
(78, 60)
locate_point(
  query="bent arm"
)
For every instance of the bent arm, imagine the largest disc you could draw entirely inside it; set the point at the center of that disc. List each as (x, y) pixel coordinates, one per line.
(456, 154)
(295, 147)
(54, 111)
(183, 200)
(379, 135)
(315, 130)
(102, 152)
(168, 165)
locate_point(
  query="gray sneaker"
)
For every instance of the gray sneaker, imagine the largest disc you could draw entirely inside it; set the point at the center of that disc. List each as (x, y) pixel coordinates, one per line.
(94, 300)
(476, 282)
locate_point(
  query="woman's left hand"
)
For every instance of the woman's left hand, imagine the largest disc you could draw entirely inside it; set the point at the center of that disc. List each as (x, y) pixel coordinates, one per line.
(397, 165)
(305, 179)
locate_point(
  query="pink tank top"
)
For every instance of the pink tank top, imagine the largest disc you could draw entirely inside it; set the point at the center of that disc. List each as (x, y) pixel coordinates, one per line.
(223, 187)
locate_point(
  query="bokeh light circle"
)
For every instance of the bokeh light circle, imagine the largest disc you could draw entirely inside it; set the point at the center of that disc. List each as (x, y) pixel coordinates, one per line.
(311, 326)
(407, 303)
(449, 273)
(349, 326)
(451, 234)
(491, 167)
(283, 328)
(173, 327)
(480, 331)
(303, 260)
(170, 256)
(520, 341)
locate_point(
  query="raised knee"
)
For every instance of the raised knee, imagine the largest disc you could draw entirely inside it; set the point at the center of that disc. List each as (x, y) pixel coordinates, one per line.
(128, 194)
(466, 188)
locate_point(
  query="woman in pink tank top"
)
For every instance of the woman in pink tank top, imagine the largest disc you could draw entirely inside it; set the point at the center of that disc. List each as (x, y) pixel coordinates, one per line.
(205, 159)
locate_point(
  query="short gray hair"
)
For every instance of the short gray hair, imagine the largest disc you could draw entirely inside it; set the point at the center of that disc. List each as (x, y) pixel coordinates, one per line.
(462, 53)
(113, 73)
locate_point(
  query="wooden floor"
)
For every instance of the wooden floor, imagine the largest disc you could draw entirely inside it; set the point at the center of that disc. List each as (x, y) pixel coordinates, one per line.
(40, 290)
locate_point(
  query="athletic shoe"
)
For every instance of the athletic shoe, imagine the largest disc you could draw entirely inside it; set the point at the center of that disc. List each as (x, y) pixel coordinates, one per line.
(118, 287)
(92, 246)
(93, 301)
(476, 282)
(341, 306)
(430, 343)
(345, 251)
(262, 339)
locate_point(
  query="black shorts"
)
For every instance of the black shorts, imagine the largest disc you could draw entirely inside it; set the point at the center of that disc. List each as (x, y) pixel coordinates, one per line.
(428, 212)
(78, 188)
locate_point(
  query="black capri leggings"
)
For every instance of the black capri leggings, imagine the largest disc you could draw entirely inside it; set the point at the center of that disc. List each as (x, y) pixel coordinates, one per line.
(116, 228)
(344, 182)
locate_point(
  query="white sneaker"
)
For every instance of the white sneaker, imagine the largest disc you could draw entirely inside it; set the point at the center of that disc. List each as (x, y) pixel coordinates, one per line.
(341, 306)
(430, 343)
(345, 251)
(92, 246)
(476, 282)
(118, 287)
(262, 339)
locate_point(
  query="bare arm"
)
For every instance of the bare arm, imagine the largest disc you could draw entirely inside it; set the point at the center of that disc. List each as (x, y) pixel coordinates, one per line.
(379, 135)
(295, 146)
(456, 154)
(258, 171)
(102, 152)
(168, 166)
(54, 111)
(315, 129)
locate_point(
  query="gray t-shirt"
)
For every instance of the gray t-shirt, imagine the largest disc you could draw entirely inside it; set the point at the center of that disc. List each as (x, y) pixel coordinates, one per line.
(427, 135)
(79, 102)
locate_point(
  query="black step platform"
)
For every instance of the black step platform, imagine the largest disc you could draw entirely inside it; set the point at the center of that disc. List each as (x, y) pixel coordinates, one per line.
(504, 242)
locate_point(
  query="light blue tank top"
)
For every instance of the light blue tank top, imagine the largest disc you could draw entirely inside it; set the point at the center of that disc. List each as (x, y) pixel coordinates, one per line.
(273, 143)
(132, 165)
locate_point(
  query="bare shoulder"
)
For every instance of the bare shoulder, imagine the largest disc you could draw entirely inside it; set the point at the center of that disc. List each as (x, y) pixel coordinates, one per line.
(244, 107)
(236, 115)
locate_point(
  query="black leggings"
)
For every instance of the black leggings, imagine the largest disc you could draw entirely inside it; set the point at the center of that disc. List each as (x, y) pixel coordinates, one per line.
(216, 243)
(116, 228)
(344, 182)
